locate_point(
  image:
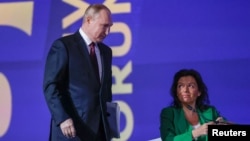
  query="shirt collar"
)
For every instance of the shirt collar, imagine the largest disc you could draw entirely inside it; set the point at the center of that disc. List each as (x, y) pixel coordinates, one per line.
(85, 37)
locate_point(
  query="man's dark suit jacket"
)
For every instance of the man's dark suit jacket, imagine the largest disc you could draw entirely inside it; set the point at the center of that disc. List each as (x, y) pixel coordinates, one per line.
(72, 90)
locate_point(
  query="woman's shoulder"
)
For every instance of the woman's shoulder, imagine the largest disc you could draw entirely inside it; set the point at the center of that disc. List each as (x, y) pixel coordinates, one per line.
(208, 108)
(170, 112)
(169, 109)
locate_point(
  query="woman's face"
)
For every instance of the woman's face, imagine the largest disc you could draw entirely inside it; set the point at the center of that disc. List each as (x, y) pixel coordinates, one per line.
(187, 90)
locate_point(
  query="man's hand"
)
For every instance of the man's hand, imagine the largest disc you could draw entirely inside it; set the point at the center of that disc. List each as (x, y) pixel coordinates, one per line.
(68, 128)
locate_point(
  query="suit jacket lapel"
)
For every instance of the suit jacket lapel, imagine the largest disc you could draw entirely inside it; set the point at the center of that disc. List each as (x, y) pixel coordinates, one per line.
(82, 46)
(205, 116)
(102, 61)
(84, 50)
(181, 121)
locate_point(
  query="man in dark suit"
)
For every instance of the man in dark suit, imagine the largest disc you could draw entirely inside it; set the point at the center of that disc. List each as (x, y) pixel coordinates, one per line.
(75, 93)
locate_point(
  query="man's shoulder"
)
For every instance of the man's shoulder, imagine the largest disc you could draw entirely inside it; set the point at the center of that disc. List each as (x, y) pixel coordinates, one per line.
(68, 37)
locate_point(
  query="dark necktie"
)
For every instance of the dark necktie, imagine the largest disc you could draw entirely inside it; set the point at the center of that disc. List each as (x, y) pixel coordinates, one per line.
(94, 60)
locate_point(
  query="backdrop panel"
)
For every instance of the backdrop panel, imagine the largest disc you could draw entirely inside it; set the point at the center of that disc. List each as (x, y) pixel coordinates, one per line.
(150, 42)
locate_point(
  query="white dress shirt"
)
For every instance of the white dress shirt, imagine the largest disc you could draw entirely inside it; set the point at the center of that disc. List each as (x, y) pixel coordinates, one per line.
(97, 51)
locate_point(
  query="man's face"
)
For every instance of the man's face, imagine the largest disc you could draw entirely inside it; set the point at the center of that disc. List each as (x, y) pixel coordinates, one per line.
(99, 26)
(187, 90)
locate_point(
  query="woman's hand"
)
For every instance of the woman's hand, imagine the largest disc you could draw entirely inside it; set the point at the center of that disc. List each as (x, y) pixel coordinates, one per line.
(221, 121)
(202, 130)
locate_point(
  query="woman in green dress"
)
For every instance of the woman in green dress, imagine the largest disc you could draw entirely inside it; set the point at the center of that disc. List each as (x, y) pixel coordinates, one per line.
(188, 116)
